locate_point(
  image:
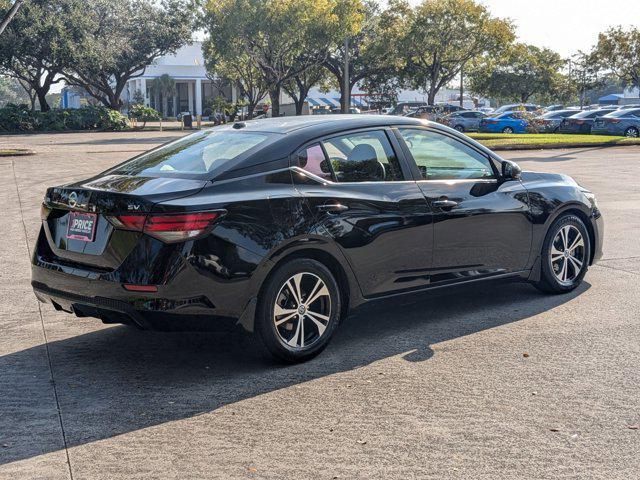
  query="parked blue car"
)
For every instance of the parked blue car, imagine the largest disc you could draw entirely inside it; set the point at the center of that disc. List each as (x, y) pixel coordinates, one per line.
(508, 122)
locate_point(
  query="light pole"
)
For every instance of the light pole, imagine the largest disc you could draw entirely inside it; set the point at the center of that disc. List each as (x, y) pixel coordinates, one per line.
(346, 97)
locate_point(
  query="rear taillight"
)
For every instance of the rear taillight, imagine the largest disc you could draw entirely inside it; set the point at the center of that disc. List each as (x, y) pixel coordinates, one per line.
(613, 120)
(169, 228)
(578, 122)
(490, 122)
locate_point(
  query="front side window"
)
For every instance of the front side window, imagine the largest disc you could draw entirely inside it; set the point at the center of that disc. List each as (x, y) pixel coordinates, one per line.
(440, 157)
(197, 154)
(363, 157)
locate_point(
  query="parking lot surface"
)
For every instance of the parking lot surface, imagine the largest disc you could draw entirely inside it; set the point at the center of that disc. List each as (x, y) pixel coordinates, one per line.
(484, 382)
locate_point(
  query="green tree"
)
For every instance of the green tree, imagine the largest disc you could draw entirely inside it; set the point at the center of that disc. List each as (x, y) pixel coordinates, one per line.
(443, 36)
(373, 49)
(238, 69)
(12, 91)
(298, 87)
(36, 45)
(283, 38)
(523, 72)
(122, 37)
(618, 50)
(163, 86)
(584, 74)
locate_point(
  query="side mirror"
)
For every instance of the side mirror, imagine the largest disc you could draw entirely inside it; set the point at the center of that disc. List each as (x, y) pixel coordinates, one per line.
(510, 170)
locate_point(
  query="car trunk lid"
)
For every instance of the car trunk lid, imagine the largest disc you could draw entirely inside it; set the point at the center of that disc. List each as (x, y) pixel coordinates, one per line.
(76, 216)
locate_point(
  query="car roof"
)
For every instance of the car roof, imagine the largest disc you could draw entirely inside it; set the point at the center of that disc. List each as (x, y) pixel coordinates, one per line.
(293, 132)
(284, 125)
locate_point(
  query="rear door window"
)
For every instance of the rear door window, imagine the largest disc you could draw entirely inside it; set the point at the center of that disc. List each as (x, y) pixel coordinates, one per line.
(363, 157)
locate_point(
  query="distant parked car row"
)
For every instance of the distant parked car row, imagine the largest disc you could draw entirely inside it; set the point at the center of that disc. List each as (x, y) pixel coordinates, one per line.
(608, 120)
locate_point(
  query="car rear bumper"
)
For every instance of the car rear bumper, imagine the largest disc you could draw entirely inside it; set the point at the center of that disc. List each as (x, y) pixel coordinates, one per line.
(111, 303)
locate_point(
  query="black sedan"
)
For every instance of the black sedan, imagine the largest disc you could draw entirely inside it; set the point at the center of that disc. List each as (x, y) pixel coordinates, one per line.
(285, 225)
(582, 122)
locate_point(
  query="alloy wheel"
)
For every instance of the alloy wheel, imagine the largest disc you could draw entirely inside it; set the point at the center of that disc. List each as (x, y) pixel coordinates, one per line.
(631, 132)
(507, 130)
(567, 254)
(302, 310)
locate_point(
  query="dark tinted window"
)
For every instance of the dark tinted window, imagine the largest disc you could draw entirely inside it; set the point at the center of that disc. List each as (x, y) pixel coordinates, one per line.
(440, 157)
(363, 157)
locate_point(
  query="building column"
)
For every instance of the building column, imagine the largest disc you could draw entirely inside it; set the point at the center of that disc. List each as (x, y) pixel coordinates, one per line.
(143, 89)
(190, 95)
(198, 96)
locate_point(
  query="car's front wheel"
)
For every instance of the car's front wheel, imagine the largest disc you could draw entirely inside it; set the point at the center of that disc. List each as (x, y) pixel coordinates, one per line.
(507, 130)
(299, 310)
(565, 255)
(631, 132)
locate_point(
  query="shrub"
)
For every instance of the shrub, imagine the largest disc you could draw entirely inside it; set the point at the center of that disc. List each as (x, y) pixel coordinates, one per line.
(144, 114)
(20, 118)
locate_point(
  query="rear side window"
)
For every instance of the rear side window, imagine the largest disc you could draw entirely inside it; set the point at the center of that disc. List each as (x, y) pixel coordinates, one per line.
(313, 160)
(197, 154)
(440, 157)
(363, 157)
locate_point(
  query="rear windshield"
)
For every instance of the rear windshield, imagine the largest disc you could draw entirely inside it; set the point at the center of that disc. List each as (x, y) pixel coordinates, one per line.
(559, 114)
(195, 155)
(624, 113)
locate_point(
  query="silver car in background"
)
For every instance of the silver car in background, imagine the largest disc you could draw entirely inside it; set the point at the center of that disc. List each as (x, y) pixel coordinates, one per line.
(465, 120)
(621, 122)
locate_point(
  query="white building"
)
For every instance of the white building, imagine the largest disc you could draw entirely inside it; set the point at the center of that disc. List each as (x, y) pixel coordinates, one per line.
(193, 87)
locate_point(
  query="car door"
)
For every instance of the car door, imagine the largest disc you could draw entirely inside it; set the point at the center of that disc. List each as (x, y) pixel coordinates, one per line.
(363, 195)
(481, 222)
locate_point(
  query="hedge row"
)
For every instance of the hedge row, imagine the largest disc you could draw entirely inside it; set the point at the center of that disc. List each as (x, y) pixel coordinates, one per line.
(20, 118)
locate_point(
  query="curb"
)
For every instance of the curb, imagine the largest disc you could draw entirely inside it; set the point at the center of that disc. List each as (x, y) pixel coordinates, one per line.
(555, 146)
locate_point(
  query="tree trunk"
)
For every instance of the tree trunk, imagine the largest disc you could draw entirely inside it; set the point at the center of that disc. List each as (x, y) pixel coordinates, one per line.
(42, 99)
(274, 95)
(250, 109)
(299, 104)
(431, 98)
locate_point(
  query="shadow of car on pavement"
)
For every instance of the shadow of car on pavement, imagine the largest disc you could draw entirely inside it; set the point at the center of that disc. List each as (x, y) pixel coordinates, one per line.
(117, 379)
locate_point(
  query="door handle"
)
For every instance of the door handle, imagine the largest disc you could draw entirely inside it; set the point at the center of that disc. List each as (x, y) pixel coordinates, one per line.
(444, 204)
(333, 208)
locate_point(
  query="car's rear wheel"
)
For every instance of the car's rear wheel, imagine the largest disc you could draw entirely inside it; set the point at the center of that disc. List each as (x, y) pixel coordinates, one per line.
(459, 128)
(565, 255)
(631, 132)
(507, 130)
(299, 310)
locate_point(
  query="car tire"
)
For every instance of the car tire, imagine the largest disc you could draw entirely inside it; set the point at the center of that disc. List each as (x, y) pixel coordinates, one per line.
(565, 255)
(459, 128)
(291, 330)
(507, 130)
(631, 132)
